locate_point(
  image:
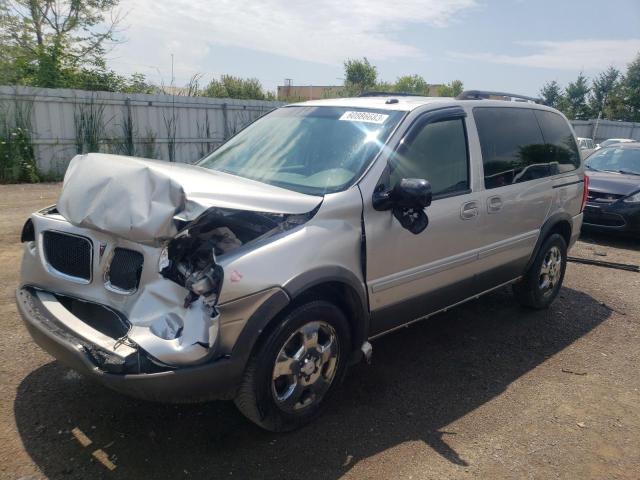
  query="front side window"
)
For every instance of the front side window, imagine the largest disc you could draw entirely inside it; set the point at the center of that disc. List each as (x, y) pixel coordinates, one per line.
(437, 153)
(513, 149)
(313, 150)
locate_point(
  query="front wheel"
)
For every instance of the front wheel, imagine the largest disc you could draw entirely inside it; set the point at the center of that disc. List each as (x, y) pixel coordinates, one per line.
(289, 379)
(542, 282)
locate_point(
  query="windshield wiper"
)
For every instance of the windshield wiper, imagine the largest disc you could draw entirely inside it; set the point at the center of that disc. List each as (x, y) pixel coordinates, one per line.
(628, 172)
(591, 168)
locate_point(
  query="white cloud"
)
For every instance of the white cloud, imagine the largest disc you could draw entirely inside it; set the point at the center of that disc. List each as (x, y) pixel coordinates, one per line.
(565, 55)
(319, 31)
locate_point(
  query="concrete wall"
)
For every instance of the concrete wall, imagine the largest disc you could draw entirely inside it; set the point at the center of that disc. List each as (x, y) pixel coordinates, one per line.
(201, 123)
(603, 129)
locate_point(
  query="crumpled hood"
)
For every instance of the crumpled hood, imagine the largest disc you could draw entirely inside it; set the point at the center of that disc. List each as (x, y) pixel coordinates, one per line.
(137, 199)
(615, 183)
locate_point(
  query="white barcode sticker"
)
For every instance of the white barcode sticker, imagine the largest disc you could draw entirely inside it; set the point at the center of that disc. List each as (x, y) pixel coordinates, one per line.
(368, 117)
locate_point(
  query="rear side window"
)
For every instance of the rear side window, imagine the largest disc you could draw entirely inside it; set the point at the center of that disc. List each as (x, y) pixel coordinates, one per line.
(438, 153)
(522, 144)
(563, 151)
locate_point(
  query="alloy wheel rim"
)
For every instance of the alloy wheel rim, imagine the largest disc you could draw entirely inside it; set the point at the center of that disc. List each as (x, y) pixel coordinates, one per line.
(305, 366)
(550, 271)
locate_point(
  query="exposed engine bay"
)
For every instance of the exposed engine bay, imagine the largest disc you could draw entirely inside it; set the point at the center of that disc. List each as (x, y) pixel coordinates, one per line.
(190, 257)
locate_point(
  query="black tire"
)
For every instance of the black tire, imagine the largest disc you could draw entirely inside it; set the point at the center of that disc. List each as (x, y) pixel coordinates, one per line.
(531, 291)
(257, 395)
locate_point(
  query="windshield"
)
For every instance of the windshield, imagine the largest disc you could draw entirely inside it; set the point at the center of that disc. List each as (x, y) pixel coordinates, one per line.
(616, 159)
(313, 150)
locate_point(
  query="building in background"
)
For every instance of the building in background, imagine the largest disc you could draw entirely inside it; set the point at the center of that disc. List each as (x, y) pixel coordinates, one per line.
(289, 92)
(296, 93)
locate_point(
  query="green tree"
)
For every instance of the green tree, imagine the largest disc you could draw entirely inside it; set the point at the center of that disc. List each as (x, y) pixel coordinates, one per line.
(138, 83)
(629, 93)
(574, 102)
(359, 75)
(383, 86)
(52, 39)
(229, 86)
(412, 84)
(452, 89)
(602, 88)
(551, 94)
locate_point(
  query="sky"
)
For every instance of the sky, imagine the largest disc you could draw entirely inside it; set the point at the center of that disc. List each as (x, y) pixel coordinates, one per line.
(504, 45)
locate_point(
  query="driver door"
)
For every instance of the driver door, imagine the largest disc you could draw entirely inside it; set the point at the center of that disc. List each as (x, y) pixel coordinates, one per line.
(411, 275)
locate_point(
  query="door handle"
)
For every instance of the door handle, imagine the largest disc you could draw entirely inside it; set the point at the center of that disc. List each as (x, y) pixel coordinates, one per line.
(469, 210)
(494, 204)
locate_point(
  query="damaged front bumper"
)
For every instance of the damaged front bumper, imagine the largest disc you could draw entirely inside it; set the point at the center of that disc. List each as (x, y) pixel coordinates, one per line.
(124, 278)
(120, 366)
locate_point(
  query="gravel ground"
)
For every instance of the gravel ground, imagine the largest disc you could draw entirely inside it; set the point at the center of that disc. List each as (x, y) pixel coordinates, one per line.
(487, 390)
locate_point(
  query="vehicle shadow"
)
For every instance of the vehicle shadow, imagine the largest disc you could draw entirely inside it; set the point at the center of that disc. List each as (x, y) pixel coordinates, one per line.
(610, 239)
(422, 379)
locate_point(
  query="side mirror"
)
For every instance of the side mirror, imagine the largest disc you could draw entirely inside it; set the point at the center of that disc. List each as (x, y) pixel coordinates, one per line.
(407, 199)
(407, 193)
(412, 193)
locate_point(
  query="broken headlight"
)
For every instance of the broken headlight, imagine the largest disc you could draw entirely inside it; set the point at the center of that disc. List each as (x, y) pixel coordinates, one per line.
(163, 260)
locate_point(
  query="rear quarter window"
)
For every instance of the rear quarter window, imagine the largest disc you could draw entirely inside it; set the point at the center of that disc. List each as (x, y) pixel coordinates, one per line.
(559, 138)
(523, 144)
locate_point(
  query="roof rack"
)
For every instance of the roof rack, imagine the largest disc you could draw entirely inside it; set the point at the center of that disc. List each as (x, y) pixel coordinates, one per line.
(487, 95)
(390, 94)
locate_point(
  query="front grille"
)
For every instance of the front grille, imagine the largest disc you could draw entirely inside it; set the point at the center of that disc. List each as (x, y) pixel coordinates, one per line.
(125, 270)
(68, 254)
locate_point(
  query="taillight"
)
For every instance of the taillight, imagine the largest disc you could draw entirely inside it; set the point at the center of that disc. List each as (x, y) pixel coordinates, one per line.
(585, 192)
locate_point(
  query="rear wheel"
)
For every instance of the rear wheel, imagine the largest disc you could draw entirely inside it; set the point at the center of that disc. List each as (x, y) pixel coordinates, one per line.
(542, 282)
(288, 381)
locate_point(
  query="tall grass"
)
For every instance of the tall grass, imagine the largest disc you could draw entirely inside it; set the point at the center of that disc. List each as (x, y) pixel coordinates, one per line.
(205, 133)
(128, 133)
(171, 125)
(149, 149)
(124, 143)
(89, 123)
(17, 156)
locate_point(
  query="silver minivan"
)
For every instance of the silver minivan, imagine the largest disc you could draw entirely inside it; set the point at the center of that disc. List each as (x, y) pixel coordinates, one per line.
(262, 272)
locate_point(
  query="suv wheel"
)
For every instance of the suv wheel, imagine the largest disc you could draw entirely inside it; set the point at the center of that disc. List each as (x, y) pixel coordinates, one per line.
(543, 280)
(289, 379)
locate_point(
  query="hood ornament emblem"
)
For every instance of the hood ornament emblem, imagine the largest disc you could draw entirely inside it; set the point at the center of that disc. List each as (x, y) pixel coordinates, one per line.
(101, 249)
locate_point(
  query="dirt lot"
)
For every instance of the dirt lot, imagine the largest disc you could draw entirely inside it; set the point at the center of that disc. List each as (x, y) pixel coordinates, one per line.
(488, 390)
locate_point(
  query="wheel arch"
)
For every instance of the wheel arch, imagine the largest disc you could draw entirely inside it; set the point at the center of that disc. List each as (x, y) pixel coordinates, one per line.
(333, 284)
(560, 223)
(340, 286)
